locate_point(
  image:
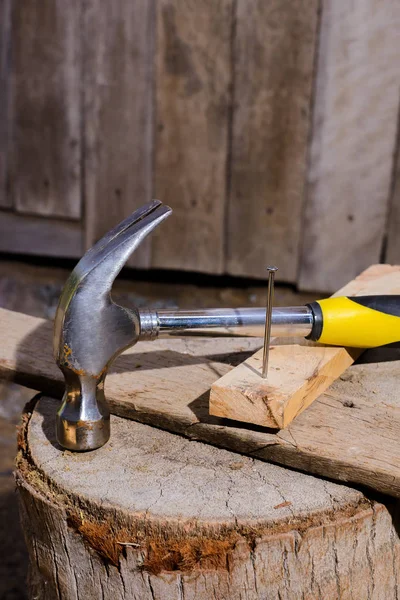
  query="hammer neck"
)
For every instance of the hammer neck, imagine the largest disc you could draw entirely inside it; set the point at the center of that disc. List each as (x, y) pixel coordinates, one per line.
(149, 324)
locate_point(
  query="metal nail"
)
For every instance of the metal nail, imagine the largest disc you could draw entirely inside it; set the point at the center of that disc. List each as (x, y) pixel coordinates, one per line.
(268, 320)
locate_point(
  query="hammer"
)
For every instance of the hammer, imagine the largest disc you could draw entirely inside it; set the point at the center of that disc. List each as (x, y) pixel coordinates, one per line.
(90, 330)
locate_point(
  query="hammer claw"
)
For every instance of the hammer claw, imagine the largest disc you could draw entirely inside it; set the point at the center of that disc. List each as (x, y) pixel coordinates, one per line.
(132, 229)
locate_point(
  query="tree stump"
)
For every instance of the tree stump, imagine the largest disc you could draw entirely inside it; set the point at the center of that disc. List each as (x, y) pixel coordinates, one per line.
(155, 516)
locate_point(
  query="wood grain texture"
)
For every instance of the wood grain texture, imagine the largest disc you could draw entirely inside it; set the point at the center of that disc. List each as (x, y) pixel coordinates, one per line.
(193, 81)
(350, 433)
(353, 141)
(392, 254)
(24, 234)
(5, 100)
(297, 374)
(157, 517)
(47, 108)
(274, 51)
(118, 114)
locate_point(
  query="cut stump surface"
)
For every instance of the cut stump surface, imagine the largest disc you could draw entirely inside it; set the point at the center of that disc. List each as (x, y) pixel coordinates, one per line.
(152, 515)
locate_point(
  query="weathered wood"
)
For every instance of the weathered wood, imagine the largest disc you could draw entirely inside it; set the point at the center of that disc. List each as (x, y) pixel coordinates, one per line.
(350, 433)
(392, 254)
(193, 105)
(297, 374)
(23, 234)
(118, 98)
(132, 520)
(5, 104)
(274, 52)
(353, 141)
(47, 108)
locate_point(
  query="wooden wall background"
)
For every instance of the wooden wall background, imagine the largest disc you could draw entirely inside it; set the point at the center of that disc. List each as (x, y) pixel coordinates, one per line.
(269, 126)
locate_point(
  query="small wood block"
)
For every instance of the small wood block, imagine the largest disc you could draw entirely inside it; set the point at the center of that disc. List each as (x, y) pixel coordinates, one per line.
(297, 374)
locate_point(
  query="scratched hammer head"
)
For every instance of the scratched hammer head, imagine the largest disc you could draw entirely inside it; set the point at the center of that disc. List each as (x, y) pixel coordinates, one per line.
(91, 330)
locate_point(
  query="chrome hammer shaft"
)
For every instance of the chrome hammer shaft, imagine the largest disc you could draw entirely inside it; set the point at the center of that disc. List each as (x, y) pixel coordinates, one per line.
(290, 321)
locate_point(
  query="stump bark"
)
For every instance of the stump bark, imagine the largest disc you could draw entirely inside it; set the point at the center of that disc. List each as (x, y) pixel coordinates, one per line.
(154, 516)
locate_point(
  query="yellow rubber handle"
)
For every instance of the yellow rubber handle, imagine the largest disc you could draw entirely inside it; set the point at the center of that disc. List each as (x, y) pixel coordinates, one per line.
(359, 322)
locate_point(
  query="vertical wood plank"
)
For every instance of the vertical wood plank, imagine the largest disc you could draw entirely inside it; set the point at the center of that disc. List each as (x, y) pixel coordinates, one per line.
(274, 57)
(118, 114)
(357, 98)
(46, 91)
(193, 107)
(5, 74)
(393, 229)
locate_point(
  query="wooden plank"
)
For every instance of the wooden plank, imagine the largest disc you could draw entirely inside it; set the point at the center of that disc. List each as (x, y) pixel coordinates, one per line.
(350, 433)
(46, 90)
(392, 254)
(193, 105)
(5, 105)
(297, 374)
(353, 141)
(22, 234)
(273, 63)
(118, 114)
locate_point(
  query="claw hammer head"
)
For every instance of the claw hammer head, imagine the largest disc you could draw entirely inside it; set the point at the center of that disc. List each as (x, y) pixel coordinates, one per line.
(90, 330)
